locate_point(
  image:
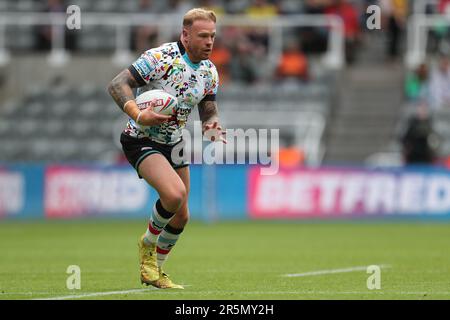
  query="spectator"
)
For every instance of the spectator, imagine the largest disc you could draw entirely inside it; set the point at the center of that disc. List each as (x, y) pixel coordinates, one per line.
(145, 37)
(262, 9)
(417, 85)
(419, 141)
(258, 36)
(444, 7)
(243, 67)
(178, 7)
(291, 157)
(440, 84)
(317, 6)
(290, 7)
(350, 16)
(314, 40)
(293, 63)
(440, 31)
(221, 57)
(212, 5)
(396, 12)
(44, 33)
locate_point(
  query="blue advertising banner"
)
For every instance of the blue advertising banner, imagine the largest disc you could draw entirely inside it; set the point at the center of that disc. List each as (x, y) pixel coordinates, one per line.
(21, 191)
(227, 192)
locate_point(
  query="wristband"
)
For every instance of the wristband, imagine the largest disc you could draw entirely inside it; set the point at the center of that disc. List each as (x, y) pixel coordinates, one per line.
(137, 118)
(125, 105)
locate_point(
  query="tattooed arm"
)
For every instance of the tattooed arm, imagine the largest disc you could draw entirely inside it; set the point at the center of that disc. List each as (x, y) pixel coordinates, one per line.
(208, 112)
(121, 90)
(209, 116)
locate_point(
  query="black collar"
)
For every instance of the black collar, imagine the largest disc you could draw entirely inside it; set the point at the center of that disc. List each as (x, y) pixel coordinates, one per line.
(182, 48)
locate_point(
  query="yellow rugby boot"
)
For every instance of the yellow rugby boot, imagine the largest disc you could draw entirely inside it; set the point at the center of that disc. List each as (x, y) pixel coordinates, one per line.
(147, 259)
(164, 282)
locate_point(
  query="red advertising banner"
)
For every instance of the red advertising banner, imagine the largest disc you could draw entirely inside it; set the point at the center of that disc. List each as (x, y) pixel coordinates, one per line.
(328, 193)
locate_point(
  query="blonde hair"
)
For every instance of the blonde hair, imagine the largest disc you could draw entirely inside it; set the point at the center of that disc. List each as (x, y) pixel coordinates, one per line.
(198, 14)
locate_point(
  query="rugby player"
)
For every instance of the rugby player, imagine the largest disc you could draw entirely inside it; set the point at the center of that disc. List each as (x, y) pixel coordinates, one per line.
(182, 69)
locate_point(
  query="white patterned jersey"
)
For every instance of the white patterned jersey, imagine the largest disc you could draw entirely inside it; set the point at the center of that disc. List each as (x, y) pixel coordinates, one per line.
(168, 68)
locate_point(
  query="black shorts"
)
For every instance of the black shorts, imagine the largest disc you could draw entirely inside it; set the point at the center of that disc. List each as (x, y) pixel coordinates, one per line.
(137, 149)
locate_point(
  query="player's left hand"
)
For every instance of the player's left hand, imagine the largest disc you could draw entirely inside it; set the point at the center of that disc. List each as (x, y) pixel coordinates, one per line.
(214, 132)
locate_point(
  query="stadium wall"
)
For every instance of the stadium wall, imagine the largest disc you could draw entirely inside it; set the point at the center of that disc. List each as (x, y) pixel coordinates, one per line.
(228, 192)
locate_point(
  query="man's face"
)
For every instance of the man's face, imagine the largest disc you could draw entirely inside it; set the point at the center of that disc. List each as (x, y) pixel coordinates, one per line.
(200, 39)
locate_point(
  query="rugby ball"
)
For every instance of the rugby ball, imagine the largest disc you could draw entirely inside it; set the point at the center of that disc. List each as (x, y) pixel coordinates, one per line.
(165, 103)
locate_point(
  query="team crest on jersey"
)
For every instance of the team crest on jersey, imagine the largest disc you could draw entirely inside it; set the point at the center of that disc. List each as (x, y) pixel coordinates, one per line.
(192, 81)
(205, 74)
(176, 73)
(177, 76)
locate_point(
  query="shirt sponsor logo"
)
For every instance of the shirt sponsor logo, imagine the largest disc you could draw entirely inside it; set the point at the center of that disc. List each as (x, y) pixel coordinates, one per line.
(143, 67)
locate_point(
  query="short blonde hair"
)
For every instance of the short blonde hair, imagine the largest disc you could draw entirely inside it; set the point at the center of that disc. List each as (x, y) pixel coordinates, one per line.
(198, 14)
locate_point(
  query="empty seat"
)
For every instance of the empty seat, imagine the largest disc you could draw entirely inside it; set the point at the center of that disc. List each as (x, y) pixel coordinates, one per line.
(90, 109)
(60, 109)
(19, 37)
(54, 128)
(34, 110)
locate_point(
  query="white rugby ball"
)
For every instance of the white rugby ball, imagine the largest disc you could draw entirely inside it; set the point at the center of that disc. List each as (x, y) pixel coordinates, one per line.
(165, 103)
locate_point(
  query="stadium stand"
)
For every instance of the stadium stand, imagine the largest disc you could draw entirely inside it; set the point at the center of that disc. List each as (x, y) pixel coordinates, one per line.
(361, 107)
(60, 122)
(425, 83)
(58, 117)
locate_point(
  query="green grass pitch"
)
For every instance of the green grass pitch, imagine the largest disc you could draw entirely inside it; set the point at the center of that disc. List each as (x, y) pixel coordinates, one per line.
(228, 260)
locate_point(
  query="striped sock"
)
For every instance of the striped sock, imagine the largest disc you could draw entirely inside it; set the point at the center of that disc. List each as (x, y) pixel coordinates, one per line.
(166, 241)
(159, 219)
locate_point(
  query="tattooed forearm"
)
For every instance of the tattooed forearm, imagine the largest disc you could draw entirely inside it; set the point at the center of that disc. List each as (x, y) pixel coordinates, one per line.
(120, 88)
(208, 111)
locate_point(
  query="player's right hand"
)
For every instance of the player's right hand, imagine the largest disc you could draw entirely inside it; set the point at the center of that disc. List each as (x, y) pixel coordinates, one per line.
(151, 118)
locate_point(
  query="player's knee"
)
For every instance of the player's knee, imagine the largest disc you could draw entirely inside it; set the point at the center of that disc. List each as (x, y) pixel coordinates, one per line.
(175, 197)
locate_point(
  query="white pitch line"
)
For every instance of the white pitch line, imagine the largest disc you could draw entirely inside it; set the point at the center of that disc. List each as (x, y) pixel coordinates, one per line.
(303, 292)
(331, 271)
(220, 292)
(107, 293)
(96, 294)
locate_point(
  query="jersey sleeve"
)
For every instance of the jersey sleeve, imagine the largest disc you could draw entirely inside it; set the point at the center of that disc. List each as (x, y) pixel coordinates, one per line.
(148, 67)
(212, 85)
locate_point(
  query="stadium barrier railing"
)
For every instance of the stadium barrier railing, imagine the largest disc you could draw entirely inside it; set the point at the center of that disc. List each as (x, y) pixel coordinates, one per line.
(167, 25)
(417, 36)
